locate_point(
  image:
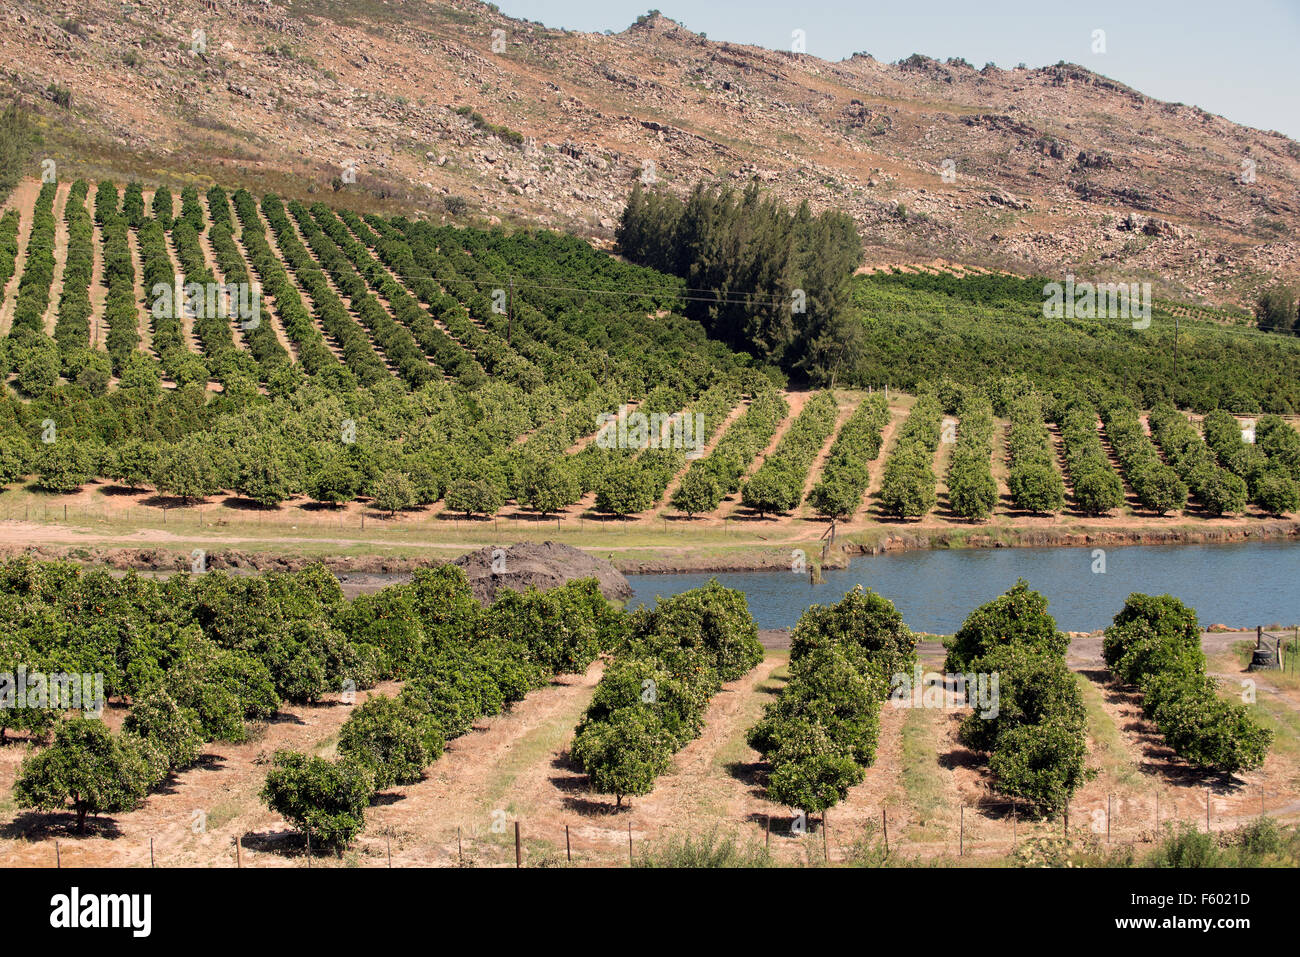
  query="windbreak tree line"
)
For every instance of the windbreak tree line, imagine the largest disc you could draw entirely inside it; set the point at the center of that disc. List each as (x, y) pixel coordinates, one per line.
(760, 278)
(1155, 644)
(820, 735)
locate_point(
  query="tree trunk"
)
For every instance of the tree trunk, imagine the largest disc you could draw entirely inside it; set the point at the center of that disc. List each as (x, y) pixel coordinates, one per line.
(81, 819)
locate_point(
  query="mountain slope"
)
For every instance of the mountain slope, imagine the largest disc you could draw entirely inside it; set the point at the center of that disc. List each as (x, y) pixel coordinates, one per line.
(452, 106)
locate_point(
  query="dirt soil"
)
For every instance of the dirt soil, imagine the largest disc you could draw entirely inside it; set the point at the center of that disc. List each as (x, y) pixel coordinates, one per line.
(544, 566)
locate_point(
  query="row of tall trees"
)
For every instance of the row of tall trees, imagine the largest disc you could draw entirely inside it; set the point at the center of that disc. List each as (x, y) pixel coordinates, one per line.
(759, 277)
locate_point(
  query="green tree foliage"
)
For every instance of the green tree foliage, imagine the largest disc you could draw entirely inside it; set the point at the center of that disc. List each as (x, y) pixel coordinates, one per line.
(474, 497)
(1036, 732)
(738, 447)
(324, 800)
(87, 767)
(652, 698)
(1156, 485)
(1155, 643)
(1017, 618)
(821, 733)
(173, 729)
(972, 492)
(777, 486)
(1096, 486)
(1270, 484)
(1275, 309)
(65, 465)
(394, 740)
(777, 281)
(394, 492)
(1034, 482)
(907, 488)
(1219, 491)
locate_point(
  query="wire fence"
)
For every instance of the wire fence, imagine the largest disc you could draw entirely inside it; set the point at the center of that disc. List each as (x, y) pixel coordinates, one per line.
(847, 834)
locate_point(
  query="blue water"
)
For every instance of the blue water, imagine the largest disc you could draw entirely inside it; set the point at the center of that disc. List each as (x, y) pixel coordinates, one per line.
(1256, 583)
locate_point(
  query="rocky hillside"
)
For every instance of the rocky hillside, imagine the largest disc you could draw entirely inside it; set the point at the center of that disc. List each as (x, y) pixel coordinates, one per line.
(452, 108)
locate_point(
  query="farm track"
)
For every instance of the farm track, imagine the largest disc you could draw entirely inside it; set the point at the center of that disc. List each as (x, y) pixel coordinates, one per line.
(60, 257)
(98, 289)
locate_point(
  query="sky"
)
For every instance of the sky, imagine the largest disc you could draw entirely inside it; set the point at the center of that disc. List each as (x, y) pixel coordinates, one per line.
(1237, 59)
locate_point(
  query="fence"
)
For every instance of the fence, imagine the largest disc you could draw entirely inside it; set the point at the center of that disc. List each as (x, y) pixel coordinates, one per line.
(847, 834)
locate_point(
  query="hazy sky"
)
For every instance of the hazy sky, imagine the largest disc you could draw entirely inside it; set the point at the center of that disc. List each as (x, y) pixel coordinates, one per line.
(1238, 59)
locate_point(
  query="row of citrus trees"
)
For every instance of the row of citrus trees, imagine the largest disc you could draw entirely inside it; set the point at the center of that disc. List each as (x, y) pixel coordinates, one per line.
(907, 488)
(1095, 484)
(1269, 482)
(972, 491)
(847, 472)
(195, 659)
(1034, 482)
(1156, 485)
(1155, 644)
(1219, 491)
(8, 248)
(651, 700)
(820, 735)
(718, 474)
(778, 484)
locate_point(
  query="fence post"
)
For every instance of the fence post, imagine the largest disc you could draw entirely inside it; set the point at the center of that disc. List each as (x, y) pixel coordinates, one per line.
(1208, 794)
(151, 852)
(460, 856)
(826, 840)
(1109, 798)
(58, 856)
(961, 833)
(519, 852)
(629, 844)
(568, 848)
(884, 826)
